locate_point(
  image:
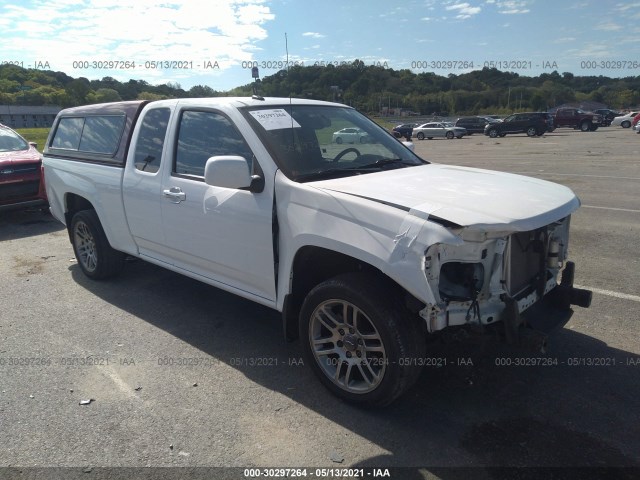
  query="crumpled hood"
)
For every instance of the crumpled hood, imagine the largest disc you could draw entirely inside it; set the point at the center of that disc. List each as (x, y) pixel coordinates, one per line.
(470, 197)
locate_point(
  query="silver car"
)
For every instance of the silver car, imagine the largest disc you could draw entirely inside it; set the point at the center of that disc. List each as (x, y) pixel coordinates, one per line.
(350, 135)
(624, 120)
(438, 129)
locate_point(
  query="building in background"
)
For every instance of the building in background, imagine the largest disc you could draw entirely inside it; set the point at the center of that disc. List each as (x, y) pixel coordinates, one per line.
(22, 116)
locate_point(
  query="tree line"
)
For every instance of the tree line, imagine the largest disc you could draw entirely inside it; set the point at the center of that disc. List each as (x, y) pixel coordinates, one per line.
(370, 88)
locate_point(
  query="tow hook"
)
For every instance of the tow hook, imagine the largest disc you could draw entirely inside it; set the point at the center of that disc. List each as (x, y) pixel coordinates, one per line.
(565, 294)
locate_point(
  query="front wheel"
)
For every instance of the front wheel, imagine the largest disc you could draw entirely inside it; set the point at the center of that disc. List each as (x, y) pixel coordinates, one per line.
(94, 254)
(420, 136)
(585, 126)
(532, 131)
(493, 133)
(360, 340)
(593, 127)
(449, 135)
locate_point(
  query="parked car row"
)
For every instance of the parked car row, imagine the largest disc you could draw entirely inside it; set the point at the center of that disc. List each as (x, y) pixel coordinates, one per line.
(21, 178)
(531, 123)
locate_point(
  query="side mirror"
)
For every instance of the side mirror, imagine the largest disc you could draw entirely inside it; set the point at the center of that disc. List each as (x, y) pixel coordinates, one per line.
(228, 171)
(410, 146)
(33, 144)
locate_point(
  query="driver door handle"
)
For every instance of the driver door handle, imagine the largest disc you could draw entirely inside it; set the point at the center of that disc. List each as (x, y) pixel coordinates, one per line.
(175, 194)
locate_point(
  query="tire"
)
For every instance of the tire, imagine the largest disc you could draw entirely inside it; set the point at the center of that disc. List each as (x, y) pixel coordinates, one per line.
(449, 135)
(429, 138)
(625, 124)
(503, 135)
(420, 136)
(493, 133)
(585, 127)
(363, 140)
(459, 137)
(339, 140)
(532, 131)
(593, 128)
(94, 254)
(378, 331)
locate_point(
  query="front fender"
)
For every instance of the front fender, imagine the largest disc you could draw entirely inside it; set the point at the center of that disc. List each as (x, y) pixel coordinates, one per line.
(387, 238)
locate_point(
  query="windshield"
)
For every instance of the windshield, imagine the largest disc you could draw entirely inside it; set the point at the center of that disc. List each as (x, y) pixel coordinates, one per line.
(312, 142)
(11, 141)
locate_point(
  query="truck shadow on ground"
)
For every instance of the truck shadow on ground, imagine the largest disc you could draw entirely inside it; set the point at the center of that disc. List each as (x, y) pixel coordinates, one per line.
(479, 409)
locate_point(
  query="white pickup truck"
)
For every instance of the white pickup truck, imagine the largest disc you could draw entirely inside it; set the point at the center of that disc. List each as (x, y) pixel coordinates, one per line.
(312, 209)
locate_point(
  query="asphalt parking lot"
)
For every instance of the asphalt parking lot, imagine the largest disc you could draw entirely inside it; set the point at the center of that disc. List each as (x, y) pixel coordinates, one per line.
(183, 374)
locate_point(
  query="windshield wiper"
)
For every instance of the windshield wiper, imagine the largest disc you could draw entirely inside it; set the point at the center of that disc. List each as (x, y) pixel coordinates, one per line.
(380, 163)
(330, 172)
(367, 168)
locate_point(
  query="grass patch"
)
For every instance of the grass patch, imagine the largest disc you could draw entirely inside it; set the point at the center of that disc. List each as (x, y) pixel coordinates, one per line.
(38, 135)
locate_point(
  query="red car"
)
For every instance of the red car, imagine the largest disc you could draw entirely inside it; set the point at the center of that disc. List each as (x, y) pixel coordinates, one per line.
(21, 178)
(635, 120)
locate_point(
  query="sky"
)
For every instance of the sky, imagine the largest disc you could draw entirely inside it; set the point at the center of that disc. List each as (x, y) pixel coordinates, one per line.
(216, 42)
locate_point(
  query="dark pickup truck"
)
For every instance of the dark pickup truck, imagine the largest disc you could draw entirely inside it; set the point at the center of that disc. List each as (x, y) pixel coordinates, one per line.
(577, 119)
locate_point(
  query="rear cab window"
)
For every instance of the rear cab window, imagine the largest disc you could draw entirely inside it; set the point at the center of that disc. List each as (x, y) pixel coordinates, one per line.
(94, 133)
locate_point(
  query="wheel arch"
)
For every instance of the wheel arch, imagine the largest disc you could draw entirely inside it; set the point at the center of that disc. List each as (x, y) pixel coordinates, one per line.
(74, 203)
(313, 265)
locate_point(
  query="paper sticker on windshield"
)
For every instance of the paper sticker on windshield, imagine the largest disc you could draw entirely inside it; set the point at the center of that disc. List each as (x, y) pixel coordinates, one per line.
(274, 119)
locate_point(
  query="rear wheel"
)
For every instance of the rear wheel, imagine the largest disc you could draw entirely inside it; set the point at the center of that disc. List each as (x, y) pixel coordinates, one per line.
(532, 131)
(360, 340)
(94, 254)
(625, 124)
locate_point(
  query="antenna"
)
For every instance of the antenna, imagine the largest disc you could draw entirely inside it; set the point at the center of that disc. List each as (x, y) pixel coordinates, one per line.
(286, 47)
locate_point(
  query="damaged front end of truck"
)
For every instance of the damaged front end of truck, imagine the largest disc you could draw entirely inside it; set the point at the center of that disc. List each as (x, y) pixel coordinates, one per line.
(521, 282)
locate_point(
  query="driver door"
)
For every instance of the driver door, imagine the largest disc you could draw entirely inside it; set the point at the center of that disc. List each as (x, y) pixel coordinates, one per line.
(221, 234)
